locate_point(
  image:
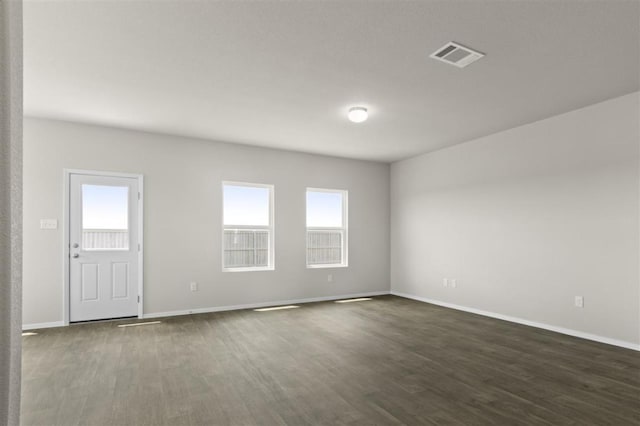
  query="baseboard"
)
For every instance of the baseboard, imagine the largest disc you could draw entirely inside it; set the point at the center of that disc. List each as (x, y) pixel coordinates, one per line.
(261, 305)
(42, 325)
(562, 330)
(224, 308)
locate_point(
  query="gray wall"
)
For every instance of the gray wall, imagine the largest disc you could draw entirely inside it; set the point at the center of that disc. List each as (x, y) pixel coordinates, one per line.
(10, 209)
(183, 217)
(526, 220)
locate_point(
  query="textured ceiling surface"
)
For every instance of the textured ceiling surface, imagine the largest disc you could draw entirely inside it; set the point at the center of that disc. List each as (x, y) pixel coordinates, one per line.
(283, 74)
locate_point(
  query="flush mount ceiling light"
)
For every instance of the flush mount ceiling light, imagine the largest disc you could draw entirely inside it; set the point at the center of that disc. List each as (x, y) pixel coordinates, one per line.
(358, 114)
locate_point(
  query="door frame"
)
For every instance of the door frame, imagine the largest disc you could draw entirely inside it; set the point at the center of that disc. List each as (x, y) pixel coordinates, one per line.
(66, 229)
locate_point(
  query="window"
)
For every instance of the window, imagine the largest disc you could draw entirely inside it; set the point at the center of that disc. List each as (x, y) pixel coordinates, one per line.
(247, 243)
(326, 228)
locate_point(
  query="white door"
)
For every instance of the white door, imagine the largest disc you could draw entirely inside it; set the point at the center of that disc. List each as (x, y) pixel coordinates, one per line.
(103, 247)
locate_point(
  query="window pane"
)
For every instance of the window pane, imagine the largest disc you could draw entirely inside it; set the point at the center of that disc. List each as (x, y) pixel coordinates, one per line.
(246, 205)
(105, 217)
(324, 209)
(246, 248)
(324, 247)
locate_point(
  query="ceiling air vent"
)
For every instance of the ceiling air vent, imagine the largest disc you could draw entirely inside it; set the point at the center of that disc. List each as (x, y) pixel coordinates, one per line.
(456, 54)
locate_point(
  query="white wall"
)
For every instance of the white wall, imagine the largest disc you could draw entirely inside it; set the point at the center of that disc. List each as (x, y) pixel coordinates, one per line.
(10, 210)
(526, 219)
(183, 217)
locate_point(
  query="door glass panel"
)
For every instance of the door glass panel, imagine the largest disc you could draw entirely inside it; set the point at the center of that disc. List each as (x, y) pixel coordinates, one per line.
(105, 217)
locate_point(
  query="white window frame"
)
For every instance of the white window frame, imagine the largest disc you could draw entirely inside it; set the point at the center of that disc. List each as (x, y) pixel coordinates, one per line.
(270, 228)
(344, 229)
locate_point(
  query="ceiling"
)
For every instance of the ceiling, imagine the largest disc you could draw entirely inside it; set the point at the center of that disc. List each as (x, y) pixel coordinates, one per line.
(283, 74)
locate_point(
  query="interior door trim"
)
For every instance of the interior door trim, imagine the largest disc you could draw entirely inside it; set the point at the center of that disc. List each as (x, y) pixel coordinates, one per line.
(66, 227)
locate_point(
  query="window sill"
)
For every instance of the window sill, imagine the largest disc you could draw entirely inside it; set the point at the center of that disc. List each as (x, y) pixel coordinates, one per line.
(332, 265)
(268, 268)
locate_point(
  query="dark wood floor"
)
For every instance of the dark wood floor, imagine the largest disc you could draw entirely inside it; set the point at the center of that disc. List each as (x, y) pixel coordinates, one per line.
(386, 361)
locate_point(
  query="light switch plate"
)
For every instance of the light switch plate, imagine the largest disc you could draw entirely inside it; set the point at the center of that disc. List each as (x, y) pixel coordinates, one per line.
(48, 223)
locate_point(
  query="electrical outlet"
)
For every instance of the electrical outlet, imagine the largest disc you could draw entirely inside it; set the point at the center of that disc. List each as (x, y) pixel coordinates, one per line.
(454, 283)
(330, 278)
(445, 282)
(194, 286)
(579, 302)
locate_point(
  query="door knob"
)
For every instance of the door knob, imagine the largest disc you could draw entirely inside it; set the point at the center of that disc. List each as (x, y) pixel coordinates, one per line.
(76, 255)
(75, 245)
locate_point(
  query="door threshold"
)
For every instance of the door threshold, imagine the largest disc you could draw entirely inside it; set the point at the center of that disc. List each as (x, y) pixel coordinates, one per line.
(102, 320)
